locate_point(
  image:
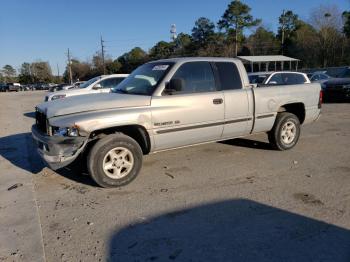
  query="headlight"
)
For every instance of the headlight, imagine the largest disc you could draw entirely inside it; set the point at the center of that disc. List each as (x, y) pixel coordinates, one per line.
(346, 86)
(65, 131)
(55, 97)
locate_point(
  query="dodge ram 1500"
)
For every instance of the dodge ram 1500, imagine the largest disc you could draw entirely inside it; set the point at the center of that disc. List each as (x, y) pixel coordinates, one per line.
(169, 104)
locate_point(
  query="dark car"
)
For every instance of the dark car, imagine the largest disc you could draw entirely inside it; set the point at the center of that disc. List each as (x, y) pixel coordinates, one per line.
(338, 89)
(10, 87)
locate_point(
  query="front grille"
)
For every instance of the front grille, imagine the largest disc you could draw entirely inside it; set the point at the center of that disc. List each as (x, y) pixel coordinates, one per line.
(41, 122)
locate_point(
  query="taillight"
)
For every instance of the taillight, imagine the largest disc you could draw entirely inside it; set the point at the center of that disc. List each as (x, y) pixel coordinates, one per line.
(320, 100)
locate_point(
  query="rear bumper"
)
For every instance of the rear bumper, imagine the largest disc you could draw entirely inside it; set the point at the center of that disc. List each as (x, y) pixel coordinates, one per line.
(58, 152)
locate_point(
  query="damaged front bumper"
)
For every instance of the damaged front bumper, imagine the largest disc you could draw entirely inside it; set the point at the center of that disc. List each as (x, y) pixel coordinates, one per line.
(58, 151)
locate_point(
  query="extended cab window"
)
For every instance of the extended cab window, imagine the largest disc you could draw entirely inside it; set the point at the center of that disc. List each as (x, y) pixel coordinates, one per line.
(229, 76)
(196, 77)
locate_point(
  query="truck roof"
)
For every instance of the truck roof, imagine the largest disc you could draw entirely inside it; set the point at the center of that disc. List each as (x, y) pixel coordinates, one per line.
(240, 66)
(193, 59)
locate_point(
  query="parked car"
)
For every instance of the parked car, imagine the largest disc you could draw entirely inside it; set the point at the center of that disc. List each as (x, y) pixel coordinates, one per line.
(25, 88)
(41, 86)
(2, 87)
(286, 78)
(78, 83)
(99, 84)
(338, 89)
(59, 87)
(169, 104)
(320, 77)
(9, 87)
(258, 77)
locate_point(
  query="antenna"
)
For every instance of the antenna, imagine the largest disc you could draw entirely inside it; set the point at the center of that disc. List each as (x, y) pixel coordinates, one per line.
(173, 34)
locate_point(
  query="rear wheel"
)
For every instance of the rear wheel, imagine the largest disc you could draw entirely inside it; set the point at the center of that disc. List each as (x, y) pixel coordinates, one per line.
(115, 160)
(285, 132)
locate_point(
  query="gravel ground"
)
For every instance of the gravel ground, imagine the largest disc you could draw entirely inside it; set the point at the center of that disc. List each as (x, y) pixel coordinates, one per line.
(232, 201)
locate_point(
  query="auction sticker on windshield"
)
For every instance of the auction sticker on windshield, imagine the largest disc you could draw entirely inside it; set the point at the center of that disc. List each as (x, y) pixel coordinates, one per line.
(160, 67)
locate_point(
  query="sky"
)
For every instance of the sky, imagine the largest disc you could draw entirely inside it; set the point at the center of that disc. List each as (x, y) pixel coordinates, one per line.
(44, 30)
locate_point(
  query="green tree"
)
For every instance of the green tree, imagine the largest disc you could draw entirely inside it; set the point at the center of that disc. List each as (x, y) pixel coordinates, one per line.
(41, 72)
(303, 45)
(202, 31)
(237, 17)
(263, 42)
(162, 50)
(288, 23)
(25, 76)
(131, 60)
(97, 63)
(183, 45)
(2, 79)
(327, 20)
(346, 27)
(113, 67)
(9, 73)
(80, 70)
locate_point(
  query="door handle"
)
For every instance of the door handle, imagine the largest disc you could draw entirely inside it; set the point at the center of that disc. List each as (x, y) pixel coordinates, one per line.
(218, 101)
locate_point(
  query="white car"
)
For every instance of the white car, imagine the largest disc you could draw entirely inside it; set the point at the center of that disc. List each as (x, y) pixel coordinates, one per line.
(286, 78)
(99, 84)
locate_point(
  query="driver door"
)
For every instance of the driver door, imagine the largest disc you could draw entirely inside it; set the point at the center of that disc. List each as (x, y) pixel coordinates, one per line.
(192, 115)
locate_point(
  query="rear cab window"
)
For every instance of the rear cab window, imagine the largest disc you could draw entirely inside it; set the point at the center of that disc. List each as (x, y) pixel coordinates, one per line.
(229, 77)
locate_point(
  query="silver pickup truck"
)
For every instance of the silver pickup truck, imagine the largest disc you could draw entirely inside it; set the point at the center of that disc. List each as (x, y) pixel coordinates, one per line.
(169, 104)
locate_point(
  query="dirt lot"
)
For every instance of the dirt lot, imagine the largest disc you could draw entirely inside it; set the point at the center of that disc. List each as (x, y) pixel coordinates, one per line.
(232, 201)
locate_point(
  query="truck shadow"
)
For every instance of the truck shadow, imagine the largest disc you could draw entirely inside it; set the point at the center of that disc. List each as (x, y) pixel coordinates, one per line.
(29, 114)
(248, 143)
(232, 230)
(20, 150)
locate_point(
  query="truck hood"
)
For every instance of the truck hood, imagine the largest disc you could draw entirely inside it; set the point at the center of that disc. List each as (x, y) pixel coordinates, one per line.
(93, 102)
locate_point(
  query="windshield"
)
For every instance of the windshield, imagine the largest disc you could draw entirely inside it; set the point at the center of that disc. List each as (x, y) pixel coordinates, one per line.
(91, 81)
(144, 80)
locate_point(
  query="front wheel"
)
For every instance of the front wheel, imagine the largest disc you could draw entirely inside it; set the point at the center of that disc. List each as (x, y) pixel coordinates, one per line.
(115, 160)
(285, 132)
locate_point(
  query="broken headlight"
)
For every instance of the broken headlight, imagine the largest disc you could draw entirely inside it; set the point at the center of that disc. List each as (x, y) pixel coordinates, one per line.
(65, 131)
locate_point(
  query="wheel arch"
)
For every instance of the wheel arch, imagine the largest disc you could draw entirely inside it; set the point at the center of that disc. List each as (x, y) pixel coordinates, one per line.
(137, 132)
(297, 109)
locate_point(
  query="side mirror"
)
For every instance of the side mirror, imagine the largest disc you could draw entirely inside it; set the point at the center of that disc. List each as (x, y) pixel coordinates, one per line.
(175, 85)
(97, 86)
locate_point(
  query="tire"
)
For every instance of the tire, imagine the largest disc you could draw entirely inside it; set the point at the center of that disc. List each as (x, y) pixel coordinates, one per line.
(118, 151)
(285, 132)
